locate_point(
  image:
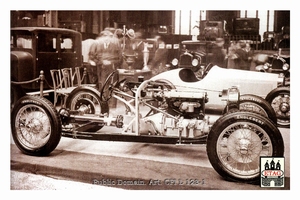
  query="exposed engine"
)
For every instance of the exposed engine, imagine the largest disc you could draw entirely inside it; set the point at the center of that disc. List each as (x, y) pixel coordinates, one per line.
(177, 113)
(161, 124)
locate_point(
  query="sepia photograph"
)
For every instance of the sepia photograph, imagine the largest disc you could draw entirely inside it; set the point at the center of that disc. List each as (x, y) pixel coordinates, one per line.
(178, 99)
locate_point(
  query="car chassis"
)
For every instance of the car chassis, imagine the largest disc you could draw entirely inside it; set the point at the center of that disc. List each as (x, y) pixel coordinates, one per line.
(155, 113)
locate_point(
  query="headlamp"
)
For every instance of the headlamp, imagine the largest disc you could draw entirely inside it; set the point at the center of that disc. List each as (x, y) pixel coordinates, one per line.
(195, 62)
(175, 62)
(285, 67)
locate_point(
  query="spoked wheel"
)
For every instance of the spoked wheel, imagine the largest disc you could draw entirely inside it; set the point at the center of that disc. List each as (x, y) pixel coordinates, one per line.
(108, 86)
(280, 101)
(87, 100)
(236, 142)
(36, 125)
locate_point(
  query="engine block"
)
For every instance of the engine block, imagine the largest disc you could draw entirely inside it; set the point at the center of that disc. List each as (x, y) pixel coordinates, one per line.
(161, 125)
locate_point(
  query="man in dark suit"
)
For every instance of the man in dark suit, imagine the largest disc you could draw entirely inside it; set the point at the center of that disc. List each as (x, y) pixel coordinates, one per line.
(243, 57)
(219, 53)
(106, 55)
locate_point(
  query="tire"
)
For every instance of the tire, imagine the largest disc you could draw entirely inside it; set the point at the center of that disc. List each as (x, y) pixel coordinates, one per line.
(279, 100)
(35, 125)
(87, 97)
(236, 142)
(257, 104)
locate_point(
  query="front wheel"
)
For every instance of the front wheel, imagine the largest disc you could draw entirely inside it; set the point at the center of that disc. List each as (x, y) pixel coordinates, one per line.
(35, 126)
(238, 140)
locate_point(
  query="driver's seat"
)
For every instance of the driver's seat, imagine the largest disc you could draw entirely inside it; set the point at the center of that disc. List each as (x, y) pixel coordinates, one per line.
(187, 75)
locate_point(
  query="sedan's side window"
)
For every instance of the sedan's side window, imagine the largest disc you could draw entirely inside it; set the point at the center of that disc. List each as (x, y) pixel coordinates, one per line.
(21, 41)
(46, 43)
(66, 44)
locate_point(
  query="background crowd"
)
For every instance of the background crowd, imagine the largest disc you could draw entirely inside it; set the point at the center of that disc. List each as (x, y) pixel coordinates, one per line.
(116, 48)
(238, 55)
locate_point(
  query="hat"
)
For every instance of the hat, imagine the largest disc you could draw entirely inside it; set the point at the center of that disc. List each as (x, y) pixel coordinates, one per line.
(131, 34)
(105, 33)
(111, 29)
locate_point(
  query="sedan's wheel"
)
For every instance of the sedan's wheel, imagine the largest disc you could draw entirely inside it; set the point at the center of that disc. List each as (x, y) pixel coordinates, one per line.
(280, 101)
(36, 126)
(238, 140)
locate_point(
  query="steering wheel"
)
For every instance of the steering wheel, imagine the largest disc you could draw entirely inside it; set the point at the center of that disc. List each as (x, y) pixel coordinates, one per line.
(109, 85)
(207, 69)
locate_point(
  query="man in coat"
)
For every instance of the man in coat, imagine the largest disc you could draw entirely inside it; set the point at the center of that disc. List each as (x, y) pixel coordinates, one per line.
(106, 55)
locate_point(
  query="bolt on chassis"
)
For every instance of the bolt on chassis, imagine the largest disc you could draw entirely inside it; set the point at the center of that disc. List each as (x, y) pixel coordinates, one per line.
(153, 112)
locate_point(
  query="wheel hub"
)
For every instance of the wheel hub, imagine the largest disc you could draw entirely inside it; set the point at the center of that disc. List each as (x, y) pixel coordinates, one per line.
(243, 146)
(85, 106)
(34, 126)
(284, 107)
(281, 105)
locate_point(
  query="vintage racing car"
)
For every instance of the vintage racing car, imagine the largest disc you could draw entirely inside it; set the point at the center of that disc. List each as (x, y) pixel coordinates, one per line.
(155, 112)
(264, 85)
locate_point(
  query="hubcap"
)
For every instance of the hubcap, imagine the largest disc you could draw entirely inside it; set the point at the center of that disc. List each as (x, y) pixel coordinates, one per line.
(281, 106)
(241, 145)
(34, 126)
(284, 107)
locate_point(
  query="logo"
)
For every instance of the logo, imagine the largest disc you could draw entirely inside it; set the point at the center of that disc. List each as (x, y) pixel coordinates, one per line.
(272, 171)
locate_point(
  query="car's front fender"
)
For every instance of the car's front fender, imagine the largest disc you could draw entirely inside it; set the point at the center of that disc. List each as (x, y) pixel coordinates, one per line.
(21, 66)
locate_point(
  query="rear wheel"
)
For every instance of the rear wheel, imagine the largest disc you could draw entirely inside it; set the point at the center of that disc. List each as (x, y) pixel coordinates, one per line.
(238, 140)
(87, 99)
(35, 125)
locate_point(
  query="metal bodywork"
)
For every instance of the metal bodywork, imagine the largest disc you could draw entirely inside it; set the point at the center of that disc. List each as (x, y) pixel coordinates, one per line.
(248, 82)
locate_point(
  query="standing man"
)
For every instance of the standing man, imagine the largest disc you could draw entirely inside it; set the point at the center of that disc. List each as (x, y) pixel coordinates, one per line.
(106, 55)
(242, 60)
(219, 53)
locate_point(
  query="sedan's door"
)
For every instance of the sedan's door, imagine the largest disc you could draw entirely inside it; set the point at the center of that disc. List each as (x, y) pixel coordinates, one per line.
(47, 54)
(68, 55)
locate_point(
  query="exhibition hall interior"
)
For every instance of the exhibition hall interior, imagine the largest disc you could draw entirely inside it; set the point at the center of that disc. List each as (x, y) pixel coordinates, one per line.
(151, 99)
